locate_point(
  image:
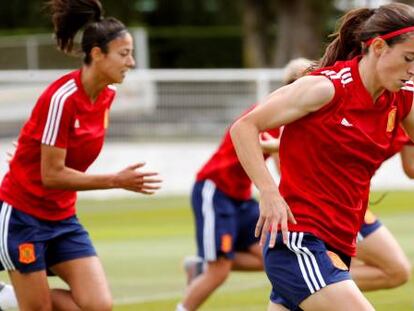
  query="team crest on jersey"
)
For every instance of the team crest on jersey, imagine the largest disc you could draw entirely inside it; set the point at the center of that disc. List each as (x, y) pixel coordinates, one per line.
(77, 124)
(337, 261)
(369, 217)
(106, 119)
(391, 119)
(226, 242)
(27, 253)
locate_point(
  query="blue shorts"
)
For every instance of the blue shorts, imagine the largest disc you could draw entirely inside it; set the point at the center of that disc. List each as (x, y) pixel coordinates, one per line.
(371, 224)
(223, 225)
(28, 244)
(302, 267)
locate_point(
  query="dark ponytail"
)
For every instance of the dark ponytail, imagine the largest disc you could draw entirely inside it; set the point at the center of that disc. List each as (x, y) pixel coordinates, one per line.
(359, 25)
(70, 16)
(346, 43)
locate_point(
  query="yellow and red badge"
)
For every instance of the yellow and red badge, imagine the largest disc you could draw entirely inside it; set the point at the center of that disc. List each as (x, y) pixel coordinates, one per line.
(226, 242)
(27, 253)
(391, 119)
(337, 261)
(369, 217)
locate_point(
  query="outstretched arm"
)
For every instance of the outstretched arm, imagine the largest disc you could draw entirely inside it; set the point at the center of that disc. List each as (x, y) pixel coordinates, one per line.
(55, 174)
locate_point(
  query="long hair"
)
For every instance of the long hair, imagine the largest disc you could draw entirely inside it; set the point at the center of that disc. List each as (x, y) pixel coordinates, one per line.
(71, 16)
(360, 25)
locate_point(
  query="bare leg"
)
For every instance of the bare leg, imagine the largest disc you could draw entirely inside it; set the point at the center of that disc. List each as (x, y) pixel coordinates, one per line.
(206, 283)
(342, 296)
(276, 307)
(32, 290)
(89, 290)
(381, 262)
(249, 261)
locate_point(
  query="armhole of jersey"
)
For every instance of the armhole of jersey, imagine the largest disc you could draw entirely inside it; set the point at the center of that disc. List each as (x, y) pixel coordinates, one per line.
(339, 90)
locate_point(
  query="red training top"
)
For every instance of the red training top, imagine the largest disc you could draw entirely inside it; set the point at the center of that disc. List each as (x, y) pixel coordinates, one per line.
(328, 157)
(63, 117)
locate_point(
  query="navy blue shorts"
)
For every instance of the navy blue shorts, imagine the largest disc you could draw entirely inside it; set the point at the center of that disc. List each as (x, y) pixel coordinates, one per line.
(302, 267)
(223, 225)
(28, 244)
(371, 224)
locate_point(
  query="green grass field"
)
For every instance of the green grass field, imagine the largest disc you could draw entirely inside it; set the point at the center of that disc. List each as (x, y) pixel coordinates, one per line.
(142, 243)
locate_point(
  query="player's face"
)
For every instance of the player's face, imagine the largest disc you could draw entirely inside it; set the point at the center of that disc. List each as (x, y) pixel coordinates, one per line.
(119, 59)
(396, 65)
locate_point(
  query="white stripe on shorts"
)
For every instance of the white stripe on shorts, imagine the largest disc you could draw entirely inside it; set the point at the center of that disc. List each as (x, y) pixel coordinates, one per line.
(209, 236)
(4, 230)
(307, 263)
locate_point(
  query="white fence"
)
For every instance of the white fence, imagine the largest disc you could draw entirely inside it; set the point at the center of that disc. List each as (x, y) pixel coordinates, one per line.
(153, 104)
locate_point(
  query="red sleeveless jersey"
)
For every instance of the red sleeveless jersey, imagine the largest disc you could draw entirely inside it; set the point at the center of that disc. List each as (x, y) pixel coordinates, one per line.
(63, 117)
(328, 157)
(225, 170)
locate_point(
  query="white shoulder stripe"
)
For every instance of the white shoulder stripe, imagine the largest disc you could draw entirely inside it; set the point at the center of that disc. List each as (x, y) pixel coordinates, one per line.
(112, 87)
(408, 88)
(344, 74)
(55, 112)
(341, 72)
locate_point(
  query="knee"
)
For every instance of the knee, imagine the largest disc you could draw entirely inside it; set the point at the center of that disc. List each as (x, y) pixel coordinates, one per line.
(102, 304)
(219, 270)
(400, 274)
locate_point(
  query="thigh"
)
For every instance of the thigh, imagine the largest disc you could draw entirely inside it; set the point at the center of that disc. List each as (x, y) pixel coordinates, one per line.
(86, 279)
(381, 249)
(344, 295)
(32, 290)
(276, 307)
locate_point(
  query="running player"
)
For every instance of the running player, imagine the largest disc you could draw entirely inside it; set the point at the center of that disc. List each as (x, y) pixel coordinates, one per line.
(40, 232)
(225, 214)
(339, 124)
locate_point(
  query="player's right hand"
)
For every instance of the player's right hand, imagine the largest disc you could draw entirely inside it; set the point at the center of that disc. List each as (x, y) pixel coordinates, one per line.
(133, 179)
(274, 212)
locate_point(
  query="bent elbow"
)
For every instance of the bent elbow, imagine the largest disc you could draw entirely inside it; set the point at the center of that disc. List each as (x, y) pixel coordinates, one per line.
(50, 180)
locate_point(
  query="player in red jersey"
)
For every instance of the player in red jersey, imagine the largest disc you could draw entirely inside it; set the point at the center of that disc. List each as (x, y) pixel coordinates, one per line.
(380, 262)
(339, 123)
(40, 232)
(225, 214)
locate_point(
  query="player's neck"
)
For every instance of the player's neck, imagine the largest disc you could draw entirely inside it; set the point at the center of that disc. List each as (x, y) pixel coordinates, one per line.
(91, 83)
(368, 76)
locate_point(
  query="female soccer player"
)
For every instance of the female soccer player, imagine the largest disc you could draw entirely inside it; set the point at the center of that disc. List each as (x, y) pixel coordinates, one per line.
(40, 232)
(339, 123)
(225, 214)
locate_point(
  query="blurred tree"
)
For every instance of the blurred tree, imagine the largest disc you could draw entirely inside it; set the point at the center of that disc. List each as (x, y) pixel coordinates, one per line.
(258, 18)
(277, 31)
